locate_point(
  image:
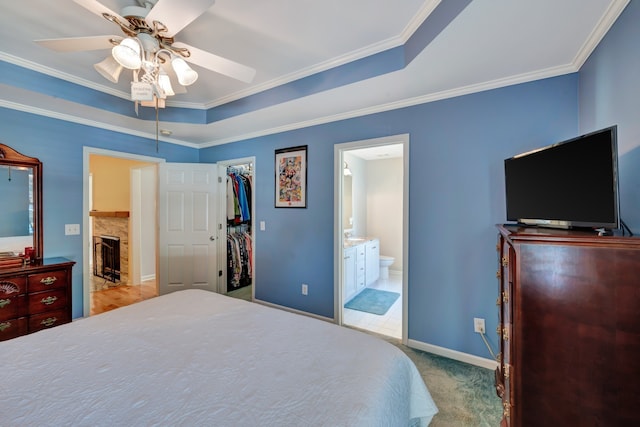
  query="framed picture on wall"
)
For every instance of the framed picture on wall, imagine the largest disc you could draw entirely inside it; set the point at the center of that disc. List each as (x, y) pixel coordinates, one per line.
(291, 177)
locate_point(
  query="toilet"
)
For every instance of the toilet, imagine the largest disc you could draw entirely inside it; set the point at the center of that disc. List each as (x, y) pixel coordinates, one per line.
(385, 262)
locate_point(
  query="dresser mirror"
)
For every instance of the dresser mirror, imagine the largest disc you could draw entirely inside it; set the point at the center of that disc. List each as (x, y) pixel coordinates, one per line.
(21, 195)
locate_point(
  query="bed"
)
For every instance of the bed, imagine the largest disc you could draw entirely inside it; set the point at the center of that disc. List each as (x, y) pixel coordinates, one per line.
(194, 358)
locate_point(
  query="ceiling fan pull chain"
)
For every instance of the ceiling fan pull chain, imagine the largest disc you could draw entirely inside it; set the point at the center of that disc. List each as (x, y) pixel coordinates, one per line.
(157, 123)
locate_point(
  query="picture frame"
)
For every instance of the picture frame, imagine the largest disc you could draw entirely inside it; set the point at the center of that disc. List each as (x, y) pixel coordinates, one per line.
(291, 177)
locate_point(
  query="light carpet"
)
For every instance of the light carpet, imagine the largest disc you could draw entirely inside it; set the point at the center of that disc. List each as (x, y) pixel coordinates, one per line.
(464, 393)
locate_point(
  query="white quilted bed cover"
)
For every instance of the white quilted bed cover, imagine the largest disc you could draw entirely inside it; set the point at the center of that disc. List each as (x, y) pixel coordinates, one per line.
(196, 358)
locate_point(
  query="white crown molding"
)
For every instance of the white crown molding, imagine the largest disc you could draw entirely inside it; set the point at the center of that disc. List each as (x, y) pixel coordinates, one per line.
(425, 10)
(423, 13)
(600, 30)
(79, 120)
(60, 75)
(309, 71)
(408, 102)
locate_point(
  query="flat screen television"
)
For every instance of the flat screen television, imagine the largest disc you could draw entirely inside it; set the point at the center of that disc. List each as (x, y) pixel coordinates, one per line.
(571, 184)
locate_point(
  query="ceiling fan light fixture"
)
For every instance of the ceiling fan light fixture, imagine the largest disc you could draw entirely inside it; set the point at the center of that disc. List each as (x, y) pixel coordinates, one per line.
(186, 75)
(109, 68)
(165, 83)
(127, 53)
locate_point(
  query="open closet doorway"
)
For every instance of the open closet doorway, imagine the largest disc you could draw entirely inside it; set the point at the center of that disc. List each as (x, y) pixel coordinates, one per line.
(119, 229)
(371, 223)
(236, 247)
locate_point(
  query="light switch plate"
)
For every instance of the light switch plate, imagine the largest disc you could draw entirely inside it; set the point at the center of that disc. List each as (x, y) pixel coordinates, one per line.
(71, 229)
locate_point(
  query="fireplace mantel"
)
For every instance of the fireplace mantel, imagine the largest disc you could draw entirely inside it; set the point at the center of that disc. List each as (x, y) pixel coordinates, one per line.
(111, 214)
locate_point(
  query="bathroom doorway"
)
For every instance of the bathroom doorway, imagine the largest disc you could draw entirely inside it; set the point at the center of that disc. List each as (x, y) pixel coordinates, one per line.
(371, 223)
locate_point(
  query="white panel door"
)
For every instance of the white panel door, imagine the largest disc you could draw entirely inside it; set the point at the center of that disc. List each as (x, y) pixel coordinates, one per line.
(187, 237)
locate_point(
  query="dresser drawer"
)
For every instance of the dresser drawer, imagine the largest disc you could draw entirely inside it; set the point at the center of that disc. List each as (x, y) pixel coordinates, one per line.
(47, 320)
(47, 301)
(14, 306)
(49, 280)
(10, 286)
(13, 328)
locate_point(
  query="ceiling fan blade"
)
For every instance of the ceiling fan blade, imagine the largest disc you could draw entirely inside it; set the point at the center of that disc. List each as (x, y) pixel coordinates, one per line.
(218, 64)
(177, 15)
(76, 44)
(98, 8)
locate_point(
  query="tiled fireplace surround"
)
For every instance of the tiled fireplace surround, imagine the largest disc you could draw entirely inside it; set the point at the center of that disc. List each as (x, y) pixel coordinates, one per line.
(114, 224)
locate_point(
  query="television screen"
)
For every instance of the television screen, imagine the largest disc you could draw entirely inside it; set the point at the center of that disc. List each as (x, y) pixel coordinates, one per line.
(573, 183)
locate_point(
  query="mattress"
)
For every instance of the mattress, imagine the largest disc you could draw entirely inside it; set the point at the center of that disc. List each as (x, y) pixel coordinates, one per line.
(194, 358)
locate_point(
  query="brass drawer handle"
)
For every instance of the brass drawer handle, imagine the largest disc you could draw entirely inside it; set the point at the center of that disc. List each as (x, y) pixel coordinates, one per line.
(498, 301)
(505, 334)
(4, 325)
(4, 302)
(49, 280)
(505, 297)
(498, 274)
(48, 300)
(49, 321)
(506, 372)
(505, 261)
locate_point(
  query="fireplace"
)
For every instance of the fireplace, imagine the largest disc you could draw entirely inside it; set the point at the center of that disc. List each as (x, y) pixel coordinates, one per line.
(106, 257)
(113, 224)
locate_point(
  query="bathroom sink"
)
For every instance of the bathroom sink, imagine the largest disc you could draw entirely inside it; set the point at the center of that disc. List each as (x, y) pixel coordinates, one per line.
(353, 241)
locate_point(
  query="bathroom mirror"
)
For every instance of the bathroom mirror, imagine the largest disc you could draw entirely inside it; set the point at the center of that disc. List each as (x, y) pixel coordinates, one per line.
(21, 195)
(347, 203)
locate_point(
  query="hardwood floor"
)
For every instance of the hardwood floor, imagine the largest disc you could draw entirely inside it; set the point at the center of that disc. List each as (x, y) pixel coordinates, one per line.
(120, 296)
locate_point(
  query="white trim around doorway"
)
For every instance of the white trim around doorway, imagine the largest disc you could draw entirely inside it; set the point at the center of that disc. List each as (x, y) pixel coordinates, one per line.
(339, 150)
(86, 231)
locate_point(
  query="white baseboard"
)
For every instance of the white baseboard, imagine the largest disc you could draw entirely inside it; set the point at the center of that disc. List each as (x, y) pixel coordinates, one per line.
(293, 310)
(430, 348)
(453, 354)
(148, 277)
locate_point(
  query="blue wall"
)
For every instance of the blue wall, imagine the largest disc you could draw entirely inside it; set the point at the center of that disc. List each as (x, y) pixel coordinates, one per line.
(456, 196)
(456, 184)
(59, 146)
(610, 94)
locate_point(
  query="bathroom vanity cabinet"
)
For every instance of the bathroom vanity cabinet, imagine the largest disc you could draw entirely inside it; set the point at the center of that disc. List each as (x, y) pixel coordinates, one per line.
(361, 266)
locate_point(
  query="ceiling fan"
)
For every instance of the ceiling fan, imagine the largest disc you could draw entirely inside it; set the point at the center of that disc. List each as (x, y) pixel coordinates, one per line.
(149, 49)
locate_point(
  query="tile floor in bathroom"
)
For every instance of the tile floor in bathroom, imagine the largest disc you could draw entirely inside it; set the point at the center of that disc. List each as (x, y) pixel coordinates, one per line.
(390, 323)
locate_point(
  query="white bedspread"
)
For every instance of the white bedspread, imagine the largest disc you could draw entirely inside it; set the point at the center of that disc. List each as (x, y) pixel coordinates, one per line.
(196, 358)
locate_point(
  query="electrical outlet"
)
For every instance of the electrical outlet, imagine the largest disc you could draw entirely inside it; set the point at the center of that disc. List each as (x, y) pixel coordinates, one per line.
(305, 289)
(478, 325)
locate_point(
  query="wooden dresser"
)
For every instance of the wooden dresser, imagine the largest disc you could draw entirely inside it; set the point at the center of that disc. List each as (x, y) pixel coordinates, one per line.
(569, 328)
(35, 297)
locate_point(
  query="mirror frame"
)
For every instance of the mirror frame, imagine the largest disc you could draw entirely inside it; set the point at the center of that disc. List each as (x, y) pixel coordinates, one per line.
(10, 157)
